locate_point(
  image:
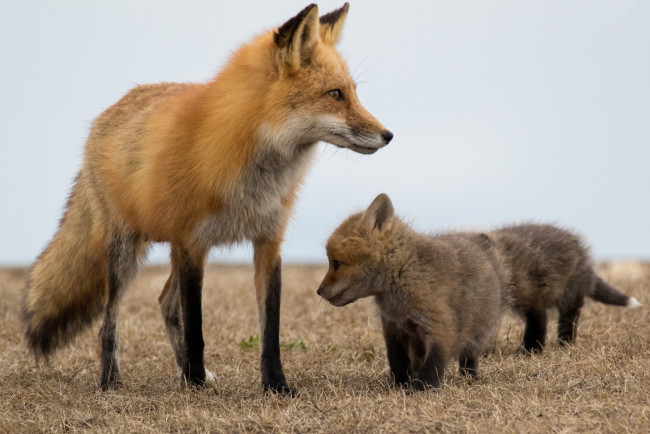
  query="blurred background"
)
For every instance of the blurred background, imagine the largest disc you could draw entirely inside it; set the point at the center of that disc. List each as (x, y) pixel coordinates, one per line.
(503, 111)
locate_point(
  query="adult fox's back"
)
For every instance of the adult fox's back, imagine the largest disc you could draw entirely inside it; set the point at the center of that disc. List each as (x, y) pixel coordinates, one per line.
(198, 165)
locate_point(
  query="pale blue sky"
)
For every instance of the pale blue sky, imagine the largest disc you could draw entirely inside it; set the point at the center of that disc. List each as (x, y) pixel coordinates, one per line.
(502, 111)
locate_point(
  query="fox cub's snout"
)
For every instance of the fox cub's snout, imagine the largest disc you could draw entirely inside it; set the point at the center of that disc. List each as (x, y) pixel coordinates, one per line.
(354, 254)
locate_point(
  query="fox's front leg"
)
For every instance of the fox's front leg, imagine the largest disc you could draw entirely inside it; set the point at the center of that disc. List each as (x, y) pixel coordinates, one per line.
(396, 350)
(535, 332)
(268, 288)
(170, 307)
(190, 280)
(432, 372)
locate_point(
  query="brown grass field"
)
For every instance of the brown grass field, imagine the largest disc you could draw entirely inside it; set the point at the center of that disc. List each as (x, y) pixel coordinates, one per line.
(336, 359)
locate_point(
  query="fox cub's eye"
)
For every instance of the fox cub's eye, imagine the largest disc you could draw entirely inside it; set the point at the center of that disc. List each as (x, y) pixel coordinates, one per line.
(336, 94)
(336, 264)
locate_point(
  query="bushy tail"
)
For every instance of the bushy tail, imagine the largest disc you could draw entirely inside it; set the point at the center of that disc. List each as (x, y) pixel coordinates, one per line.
(605, 293)
(65, 290)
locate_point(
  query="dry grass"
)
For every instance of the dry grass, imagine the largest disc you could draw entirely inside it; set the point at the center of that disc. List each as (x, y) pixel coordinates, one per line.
(601, 384)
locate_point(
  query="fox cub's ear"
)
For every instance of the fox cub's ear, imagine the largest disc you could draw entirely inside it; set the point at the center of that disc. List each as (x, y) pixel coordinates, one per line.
(379, 214)
(331, 24)
(296, 39)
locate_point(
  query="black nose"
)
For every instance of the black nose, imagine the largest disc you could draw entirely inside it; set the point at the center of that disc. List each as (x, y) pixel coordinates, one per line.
(318, 292)
(387, 136)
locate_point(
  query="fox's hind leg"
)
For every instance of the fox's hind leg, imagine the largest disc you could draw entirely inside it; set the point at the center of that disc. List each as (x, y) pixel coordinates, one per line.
(397, 352)
(569, 307)
(535, 333)
(121, 267)
(567, 327)
(468, 364)
(432, 371)
(188, 266)
(170, 307)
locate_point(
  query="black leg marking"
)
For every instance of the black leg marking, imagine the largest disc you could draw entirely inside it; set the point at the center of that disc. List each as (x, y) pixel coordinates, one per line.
(468, 365)
(272, 375)
(432, 372)
(569, 307)
(567, 328)
(535, 333)
(191, 281)
(396, 350)
(110, 376)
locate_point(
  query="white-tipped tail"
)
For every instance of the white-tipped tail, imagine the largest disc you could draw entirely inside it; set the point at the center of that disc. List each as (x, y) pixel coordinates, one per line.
(633, 302)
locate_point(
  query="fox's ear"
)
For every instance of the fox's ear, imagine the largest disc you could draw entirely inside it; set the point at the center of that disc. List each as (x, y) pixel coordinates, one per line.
(331, 24)
(379, 214)
(297, 38)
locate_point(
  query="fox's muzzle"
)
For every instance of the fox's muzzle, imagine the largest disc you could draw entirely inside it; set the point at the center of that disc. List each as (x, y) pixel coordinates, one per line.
(337, 299)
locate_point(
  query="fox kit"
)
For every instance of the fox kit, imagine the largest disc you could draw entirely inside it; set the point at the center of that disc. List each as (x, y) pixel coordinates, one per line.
(439, 297)
(198, 165)
(551, 267)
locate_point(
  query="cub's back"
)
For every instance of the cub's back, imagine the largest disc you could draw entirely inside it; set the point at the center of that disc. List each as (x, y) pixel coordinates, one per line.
(540, 258)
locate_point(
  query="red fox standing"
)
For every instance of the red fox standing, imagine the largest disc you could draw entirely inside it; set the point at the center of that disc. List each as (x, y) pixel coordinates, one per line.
(198, 165)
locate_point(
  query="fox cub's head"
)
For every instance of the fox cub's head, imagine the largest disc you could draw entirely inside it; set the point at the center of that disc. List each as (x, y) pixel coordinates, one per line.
(312, 94)
(355, 251)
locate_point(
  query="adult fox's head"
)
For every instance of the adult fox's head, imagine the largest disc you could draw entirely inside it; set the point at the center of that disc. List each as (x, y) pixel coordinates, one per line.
(356, 251)
(311, 96)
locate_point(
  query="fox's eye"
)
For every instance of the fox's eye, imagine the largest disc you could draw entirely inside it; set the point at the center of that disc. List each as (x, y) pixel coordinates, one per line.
(336, 94)
(336, 264)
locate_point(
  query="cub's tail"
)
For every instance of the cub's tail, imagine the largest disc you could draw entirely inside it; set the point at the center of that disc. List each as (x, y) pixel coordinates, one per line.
(66, 285)
(605, 293)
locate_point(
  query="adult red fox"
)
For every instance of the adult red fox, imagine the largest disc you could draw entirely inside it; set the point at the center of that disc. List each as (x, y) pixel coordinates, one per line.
(439, 297)
(198, 165)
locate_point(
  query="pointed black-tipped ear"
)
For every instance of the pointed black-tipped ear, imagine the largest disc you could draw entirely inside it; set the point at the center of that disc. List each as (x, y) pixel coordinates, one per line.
(380, 214)
(331, 24)
(296, 39)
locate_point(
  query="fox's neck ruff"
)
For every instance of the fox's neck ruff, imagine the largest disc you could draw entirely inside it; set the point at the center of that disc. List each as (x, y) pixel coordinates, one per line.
(397, 256)
(408, 267)
(397, 260)
(239, 106)
(259, 203)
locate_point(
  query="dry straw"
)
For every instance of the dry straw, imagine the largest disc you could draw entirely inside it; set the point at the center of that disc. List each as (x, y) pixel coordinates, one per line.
(336, 358)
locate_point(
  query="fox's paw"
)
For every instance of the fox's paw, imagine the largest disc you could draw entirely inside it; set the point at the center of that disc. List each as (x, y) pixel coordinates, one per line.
(110, 377)
(421, 386)
(210, 377)
(110, 384)
(282, 390)
(194, 383)
(529, 351)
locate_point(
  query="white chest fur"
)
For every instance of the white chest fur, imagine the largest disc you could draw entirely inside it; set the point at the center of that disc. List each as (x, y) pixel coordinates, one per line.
(254, 207)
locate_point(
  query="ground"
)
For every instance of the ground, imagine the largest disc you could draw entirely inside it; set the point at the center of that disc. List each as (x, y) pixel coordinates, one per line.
(336, 358)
